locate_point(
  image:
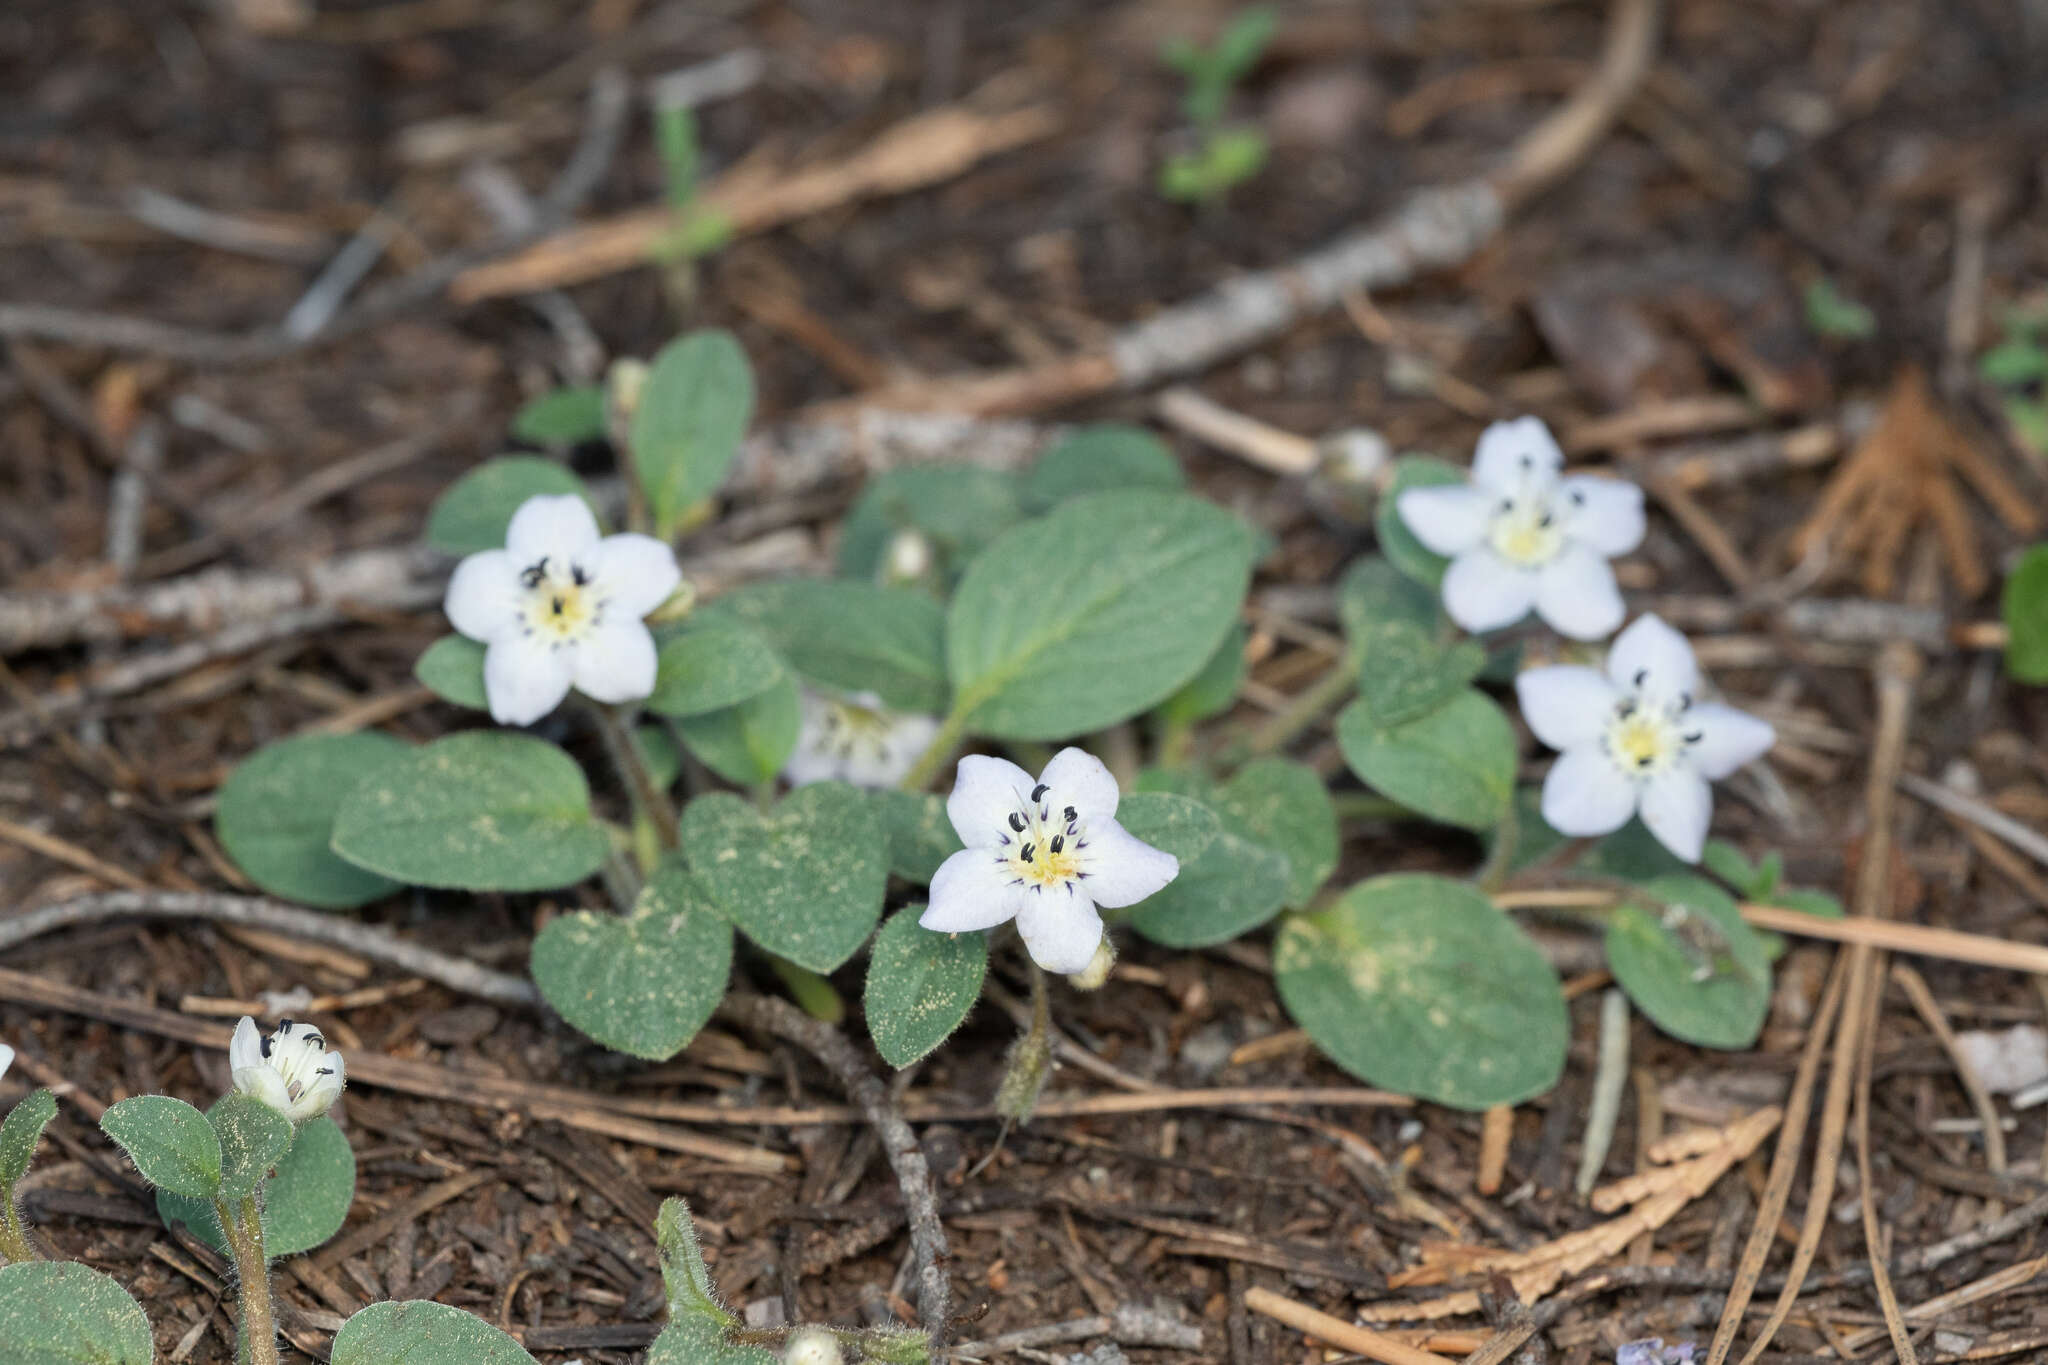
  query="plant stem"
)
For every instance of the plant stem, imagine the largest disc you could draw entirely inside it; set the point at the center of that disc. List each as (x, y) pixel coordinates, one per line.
(1500, 861)
(943, 743)
(649, 799)
(257, 1337)
(1281, 729)
(14, 1244)
(812, 992)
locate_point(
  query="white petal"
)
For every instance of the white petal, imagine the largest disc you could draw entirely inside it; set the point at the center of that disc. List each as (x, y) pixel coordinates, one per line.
(616, 662)
(319, 1096)
(1565, 706)
(1586, 794)
(6, 1058)
(1484, 592)
(973, 889)
(1060, 928)
(1079, 779)
(1448, 518)
(524, 679)
(263, 1083)
(1575, 593)
(886, 759)
(245, 1049)
(1728, 738)
(556, 526)
(483, 595)
(1607, 514)
(1509, 451)
(631, 574)
(985, 791)
(1677, 804)
(1658, 654)
(1120, 869)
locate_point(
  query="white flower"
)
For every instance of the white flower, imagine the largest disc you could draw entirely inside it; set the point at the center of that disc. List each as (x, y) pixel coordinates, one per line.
(855, 739)
(1636, 740)
(1519, 536)
(6, 1058)
(559, 606)
(289, 1070)
(1043, 852)
(909, 558)
(813, 1346)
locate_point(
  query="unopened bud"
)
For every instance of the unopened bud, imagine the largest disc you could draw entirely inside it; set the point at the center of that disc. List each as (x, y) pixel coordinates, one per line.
(812, 1346)
(1091, 977)
(909, 558)
(1355, 457)
(1027, 1069)
(623, 384)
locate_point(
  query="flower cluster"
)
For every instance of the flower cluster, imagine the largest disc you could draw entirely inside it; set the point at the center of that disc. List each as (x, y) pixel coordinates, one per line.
(1044, 852)
(561, 606)
(290, 1070)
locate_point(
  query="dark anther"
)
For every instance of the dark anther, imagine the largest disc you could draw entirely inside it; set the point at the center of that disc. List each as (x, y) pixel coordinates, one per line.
(1058, 842)
(1545, 520)
(1016, 822)
(1646, 760)
(284, 1025)
(317, 1041)
(1578, 498)
(1627, 709)
(1685, 701)
(531, 576)
(1642, 676)
(1695, 737)
(266, 1047)
(1069, 813)
(1507, 505)
(582, 578)
(1528, 462)
(1038, 792)
(1026, 855)
(326, 1071)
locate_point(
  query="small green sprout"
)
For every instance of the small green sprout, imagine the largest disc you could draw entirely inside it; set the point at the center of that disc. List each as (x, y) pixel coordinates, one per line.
(1223, 156)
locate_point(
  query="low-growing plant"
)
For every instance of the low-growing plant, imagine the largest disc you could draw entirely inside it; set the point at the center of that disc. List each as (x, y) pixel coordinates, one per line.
(1224, 154)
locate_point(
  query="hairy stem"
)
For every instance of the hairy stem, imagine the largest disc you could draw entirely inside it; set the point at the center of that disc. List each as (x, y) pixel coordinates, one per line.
(649, 800)
(1500, 859)
(1280, 730)
(935, 754)
(257, 1337)
(14, 1244)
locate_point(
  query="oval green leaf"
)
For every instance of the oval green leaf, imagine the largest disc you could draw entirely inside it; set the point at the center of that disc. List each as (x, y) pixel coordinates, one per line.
(562, 417)
(275, 816)
(851, 637)
(1455, 764)
(253, 1137)
(63, 1313)
(19, 1133)
(1213, 690)
(1416, 983)
(710, 667)
(804, 880)
(1408, 664)
(1397, 542)
(921, 834)
(1096, 612)
(304, 1204)
(920, 986)
(646, 983)
(1097, 459)
(452, 668)
(479, 811)
(169, 1141)
(475, 510)
(694, 408)
(1691, 964)
(422, 1333)
(747, 744)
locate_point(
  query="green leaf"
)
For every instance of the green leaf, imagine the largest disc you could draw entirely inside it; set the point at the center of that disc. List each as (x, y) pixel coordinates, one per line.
(1284, 805)
(169, 1141)
(660, 752)
(2014, 363)
(19, 1133)
(478, 811)
(1632, 854)
(475, 510)
(422, 1333)
(691, 1295)
(1233, 887)
(851, 637)
(1727, 862)
(921, 984)
(1276, 844)
(452, 668)
(921, 834)
(1831, 313)
(709, 667)
(253, 1137)
(1455, 764)
(646, 983)
(1171, 821)
(1243, 41)
(1213, 690)
(276, 811)
(746, 744)
(1397, 542)
(805, 880)
(694, 408)
(63, 1313)
(1407, 667)
(1097, 459)
(1095, 612)
(1691, 964)
(1416, 983)
(304, 1205)
(2025, 605)
(562, 417)
(699, 1341)
(955, 507)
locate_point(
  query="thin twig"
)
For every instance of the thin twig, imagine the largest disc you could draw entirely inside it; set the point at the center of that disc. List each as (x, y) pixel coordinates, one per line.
(1609, 1078)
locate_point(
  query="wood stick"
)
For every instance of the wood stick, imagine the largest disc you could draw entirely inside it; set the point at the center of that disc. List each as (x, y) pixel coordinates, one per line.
(1337, 1332)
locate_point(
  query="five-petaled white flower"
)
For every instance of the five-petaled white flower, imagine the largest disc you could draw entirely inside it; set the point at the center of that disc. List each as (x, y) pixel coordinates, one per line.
(857, 740)
(560, 606)
(1521, 536)
(1634, 739)
(289, 1070)
(1045, 852)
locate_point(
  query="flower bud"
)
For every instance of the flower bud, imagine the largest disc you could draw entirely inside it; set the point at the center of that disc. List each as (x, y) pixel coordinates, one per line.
(1091, 977)
(291, 1070)
(623, 384)
(812, 1346)
(1355, 457)
(909, 558)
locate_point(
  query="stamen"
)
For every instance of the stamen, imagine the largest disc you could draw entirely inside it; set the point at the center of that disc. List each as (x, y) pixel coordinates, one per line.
(531, 575)
(1646, 760)
(1578, 497)
(581, 578)
(1026, 855)
(558, 606)
(1016, 822)
(1059, 842)
(266, 1049)
(1069, 813)
(1038, 792)
(1642, 676)
(1695, 736)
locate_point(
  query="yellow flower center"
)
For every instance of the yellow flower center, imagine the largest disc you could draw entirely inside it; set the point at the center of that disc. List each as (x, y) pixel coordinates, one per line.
(1644, 737)
(559, 605)
(1526, 532)
(1044, 842)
